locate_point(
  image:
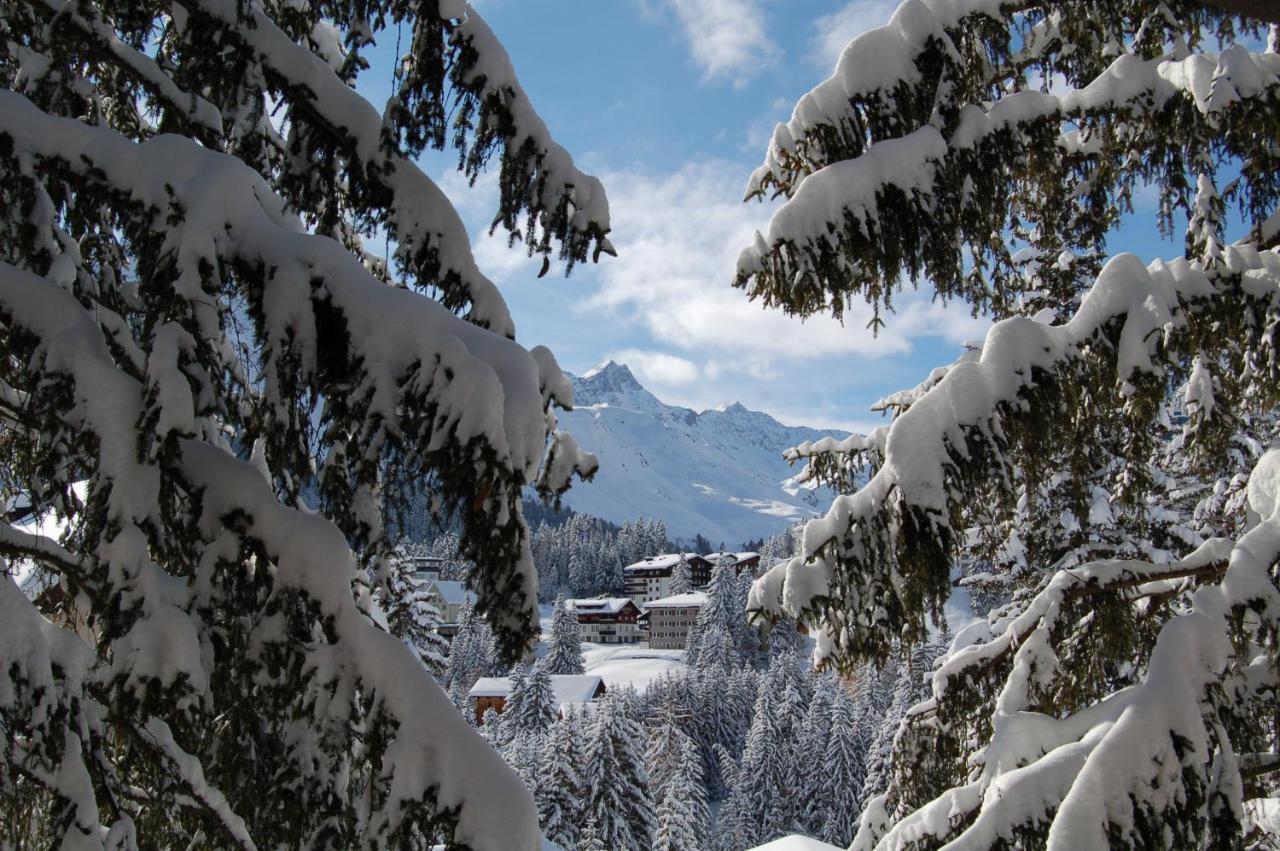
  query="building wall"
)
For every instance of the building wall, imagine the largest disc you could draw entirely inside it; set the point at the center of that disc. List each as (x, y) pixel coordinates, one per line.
(669, 627)
(609, 632)
(645, 588)
(484, 703)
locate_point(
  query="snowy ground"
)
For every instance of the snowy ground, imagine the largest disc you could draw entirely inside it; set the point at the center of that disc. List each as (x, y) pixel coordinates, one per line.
(795, 842)
(636, 665)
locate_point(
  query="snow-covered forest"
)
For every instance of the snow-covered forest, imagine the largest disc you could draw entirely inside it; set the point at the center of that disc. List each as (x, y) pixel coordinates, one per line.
(259, 374)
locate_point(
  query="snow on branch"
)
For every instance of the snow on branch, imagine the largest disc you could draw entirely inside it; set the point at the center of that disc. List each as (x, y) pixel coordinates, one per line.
(232, 215)
(881, 556)
(893, 173)
(430, 750)
(203, 115)
(431, 238)
(836, 463)
(540, 177)
(1153, 759)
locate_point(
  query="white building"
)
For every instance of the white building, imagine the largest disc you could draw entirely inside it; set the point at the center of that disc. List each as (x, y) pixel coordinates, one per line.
(671, 618)
(449, 595)
(607, 620)
(650, 578)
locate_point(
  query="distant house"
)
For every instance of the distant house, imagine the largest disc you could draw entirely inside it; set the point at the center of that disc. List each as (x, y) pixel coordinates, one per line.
(566, 689)
(670, 619)
(650, 578)
(740, 561)
(425, 568)
(448, 596)
(607, 620)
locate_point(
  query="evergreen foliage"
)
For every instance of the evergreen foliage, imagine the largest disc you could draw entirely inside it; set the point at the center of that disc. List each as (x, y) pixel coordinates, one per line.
(227, 398)
(681, 577)
(561, 788)
(472, 654)
(531, 704)
(841, 775)
(564, 646)
(1096, 466)
(414, 618)
(618, 800)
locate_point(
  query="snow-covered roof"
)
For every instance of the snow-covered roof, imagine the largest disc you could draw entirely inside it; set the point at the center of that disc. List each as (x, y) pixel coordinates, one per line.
(565, 688)
(715, 557)
(601, 605)
(795, 842)
(664, 560)
(451, 591)
(679, 601)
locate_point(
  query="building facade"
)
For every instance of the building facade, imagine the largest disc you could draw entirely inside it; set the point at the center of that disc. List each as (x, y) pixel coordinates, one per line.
(448, 596)
(650, 578)
(671, 618)
(607, 620)
(740, 561)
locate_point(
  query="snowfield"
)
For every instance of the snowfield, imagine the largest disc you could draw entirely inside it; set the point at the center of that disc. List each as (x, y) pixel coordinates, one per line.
(631, 665)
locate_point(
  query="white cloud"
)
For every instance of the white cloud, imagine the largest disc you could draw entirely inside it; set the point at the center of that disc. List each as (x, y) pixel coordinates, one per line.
(658, 368)
(728, 39)
(832, 32)
(678, 236)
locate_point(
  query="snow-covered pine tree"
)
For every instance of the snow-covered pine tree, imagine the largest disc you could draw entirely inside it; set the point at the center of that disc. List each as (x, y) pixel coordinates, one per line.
(665, 749)
(719, 625)
(414, 618)
(760, 807)
(491, 728)
(946, 146)
(682, 812)
(618, 801)
(841, 774)
(564, 646)
(589, 838)
(531, 707)
(561, 791)
(471, 653)
(812, 750)
(193, 326)
(522, 750)
(681, 577)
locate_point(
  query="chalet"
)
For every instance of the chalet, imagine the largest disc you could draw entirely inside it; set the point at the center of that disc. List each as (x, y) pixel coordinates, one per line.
(567, 690)
(448, 595)
(740, 561)
(670, 619)
(607, 620)
(650, 578)
(426, 569)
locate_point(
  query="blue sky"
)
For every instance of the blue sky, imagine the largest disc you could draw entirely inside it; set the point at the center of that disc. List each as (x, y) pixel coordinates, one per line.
(671, 103)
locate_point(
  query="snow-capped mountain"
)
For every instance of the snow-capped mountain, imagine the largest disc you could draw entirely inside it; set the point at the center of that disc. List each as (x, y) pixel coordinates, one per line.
(719, 472)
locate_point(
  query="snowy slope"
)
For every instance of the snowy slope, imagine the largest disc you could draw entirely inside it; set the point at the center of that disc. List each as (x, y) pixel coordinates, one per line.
(719, 472)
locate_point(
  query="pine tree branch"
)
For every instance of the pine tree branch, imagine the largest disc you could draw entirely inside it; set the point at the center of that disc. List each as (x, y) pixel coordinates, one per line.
(203, 117)
(17, 544)
(1259, 10)
(1254, 765)
(419, 214)
(1069, 586)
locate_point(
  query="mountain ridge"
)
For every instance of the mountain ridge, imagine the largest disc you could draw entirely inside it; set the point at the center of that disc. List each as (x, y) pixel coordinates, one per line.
(718, 472)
